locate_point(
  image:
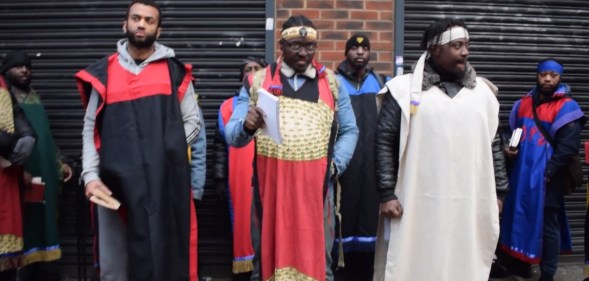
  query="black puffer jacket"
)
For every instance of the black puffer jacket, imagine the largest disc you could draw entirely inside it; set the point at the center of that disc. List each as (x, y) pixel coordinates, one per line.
(387, 152)
(21, 128)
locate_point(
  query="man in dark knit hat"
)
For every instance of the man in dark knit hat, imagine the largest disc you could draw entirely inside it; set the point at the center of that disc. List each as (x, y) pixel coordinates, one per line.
(40, 201)
(16, 144)
(359, 199)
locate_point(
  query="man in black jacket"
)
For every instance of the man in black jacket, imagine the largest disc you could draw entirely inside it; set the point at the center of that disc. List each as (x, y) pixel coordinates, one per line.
(359, 199)
(439, 164)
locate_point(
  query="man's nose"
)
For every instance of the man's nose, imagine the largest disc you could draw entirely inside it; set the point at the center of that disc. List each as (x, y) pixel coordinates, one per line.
(464, 51)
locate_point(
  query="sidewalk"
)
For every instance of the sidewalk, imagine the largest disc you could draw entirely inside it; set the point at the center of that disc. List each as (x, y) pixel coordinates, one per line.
(566, 272)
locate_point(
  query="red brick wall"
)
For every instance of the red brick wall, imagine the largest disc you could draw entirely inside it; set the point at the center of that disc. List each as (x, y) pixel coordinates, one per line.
(337, 20)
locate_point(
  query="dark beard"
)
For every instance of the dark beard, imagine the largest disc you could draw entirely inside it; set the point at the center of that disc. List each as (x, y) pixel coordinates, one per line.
(146, 43)
(548, 93)
(447, 76)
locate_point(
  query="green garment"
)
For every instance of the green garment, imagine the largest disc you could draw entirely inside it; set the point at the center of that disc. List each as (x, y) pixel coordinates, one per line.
(41, 241)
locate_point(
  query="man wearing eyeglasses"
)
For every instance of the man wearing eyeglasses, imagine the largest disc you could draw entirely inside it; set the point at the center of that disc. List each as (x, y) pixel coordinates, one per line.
(293, 191)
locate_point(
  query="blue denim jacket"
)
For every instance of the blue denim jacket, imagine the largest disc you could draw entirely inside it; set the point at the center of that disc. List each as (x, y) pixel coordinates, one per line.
(346, 137)
(198, 161)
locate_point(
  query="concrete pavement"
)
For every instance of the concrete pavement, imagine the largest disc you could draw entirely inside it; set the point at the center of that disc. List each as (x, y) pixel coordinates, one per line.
(565, 272)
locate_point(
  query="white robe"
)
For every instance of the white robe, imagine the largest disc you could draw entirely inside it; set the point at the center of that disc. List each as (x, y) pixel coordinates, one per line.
(446, 185)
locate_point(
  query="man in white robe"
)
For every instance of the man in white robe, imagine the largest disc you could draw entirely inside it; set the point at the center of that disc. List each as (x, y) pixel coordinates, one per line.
(439, 164)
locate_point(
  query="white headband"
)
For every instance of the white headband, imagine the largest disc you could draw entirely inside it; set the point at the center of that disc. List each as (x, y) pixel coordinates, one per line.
(453, 33)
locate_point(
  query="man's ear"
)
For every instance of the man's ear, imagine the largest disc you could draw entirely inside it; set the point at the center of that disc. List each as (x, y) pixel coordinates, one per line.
(435, 50)
(159, 31)
(124, 26)
(281, 42)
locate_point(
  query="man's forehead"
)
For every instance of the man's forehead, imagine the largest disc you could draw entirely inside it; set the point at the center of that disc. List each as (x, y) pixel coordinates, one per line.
(143, 10)
(548, 72)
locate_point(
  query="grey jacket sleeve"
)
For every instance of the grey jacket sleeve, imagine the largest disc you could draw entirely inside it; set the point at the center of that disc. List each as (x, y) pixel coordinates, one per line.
(198, 162)
(190, 115)
(90, 158)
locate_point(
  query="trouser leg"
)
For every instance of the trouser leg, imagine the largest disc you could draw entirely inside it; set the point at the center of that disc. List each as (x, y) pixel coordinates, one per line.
(551, 242)
(256, 234)
(112, 243)
(329, 232)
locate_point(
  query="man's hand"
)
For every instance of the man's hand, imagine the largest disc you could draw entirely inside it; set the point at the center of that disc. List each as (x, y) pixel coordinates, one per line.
(67, 172)
(28, 179)
(254, 120)
(500, 205)
(392, 209)
(510, 152)
(22, 150)
(94, 185)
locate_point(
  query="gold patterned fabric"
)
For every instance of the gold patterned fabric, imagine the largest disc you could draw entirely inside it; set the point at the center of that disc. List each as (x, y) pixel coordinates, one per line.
(6, 114)
(290, 274)
(305, 128)
(10, 244)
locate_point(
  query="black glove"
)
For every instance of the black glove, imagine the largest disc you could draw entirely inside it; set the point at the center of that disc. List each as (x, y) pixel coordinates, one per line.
(22, 150)
(222, 191)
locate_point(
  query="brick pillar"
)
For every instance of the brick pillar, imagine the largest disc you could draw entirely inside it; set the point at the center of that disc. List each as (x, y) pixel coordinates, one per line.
(337, 20)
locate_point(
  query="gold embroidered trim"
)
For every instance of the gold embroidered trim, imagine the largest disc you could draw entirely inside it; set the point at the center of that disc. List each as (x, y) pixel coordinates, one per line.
(299, 32)
(10, 243)
(290, 274)
(242, 266)
(305, 128)
(42, 256)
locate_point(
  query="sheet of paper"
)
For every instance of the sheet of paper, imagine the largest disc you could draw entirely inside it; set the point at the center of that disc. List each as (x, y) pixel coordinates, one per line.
(105, 200)
(270, 105)
(515, 137)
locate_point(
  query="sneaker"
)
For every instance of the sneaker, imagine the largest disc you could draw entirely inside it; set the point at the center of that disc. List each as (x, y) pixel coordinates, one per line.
(521, 269)
(544, 278)
(498, 271)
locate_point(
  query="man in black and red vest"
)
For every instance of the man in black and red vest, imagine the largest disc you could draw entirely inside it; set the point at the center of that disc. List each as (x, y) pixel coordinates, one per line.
(141, 115)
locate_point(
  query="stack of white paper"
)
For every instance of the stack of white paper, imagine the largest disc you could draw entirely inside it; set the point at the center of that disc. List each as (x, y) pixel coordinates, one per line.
(515, 137)
(270, 105)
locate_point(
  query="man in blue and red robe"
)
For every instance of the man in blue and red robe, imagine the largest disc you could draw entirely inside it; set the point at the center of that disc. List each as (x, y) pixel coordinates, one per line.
(534, 229)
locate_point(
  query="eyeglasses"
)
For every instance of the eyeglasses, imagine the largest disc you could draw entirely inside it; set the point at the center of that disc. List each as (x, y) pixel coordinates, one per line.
(297, 46)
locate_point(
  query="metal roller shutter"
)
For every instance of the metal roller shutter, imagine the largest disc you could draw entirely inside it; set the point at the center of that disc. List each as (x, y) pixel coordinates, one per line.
(508, 38)
(66, 36)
